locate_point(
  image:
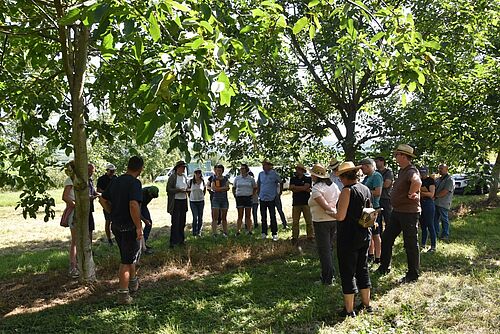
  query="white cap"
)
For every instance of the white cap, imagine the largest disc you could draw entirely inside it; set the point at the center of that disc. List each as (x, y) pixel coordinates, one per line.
(110, 167)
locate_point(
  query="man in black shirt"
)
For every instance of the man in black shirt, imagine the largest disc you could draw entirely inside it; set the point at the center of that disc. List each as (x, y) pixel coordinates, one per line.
(122, 199)
(102, 184)
(300, 185)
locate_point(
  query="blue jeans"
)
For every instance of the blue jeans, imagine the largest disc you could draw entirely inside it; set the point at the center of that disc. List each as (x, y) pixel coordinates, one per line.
(427, 221)
(271, 206)
(442, 214)
(197, 211)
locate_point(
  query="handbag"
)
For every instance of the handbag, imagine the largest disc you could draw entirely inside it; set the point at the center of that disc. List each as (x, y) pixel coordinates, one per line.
(65, 216)
(368, 216)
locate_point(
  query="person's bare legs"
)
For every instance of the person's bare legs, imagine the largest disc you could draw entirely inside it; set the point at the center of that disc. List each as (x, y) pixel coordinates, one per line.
(365, 296)
(240, 220)
(248, 219)
(125, 274)
(349, 302)
(377, 243)
(72, 249)
(215, 218)
(224, 220)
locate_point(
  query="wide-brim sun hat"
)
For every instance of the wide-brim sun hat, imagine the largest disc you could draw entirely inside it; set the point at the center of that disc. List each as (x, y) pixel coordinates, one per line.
(110, 167)
(267, 162)
(347, 167)
(334, 163)
(180, 163)
(405, 149)
(319, 171)
(301, 166)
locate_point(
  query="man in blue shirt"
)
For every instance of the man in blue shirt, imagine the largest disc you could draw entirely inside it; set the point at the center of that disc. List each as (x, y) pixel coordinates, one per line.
(374, 182)
(267, 188)
(122, 199)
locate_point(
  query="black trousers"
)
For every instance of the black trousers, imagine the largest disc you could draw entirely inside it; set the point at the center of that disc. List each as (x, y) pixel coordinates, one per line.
(408, 224)
(353, 266)
(325, 233)
(264, 207)
(178, 222)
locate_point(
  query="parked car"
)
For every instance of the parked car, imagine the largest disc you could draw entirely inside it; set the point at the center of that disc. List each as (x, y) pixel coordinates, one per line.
(475, 184)
(163, 177)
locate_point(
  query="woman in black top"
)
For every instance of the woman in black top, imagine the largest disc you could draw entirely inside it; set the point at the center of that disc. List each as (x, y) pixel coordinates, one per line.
(352, 240)
(427, 204)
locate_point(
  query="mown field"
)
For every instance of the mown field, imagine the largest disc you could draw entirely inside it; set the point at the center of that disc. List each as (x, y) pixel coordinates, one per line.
(243, 284)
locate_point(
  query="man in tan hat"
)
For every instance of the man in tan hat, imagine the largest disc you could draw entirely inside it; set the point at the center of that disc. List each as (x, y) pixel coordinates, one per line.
(300, 185)
(334, 166)
(405, 200)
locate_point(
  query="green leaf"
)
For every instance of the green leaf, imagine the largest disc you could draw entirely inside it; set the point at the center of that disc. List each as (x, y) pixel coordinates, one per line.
(163, 88)
(421, 78)
(312, 31)
(107, 42)
(300, 24)
(432, 44)
(403, 100)
(180, 6)
(412, 86)
(234, 132)
(338, 72)
(207, 26)
(362, 5)
(281, 21)
(377, 37)
(246, 29)
(238, 47)
(70, 18)
(206, 11)
(154, 28)
(313, 3)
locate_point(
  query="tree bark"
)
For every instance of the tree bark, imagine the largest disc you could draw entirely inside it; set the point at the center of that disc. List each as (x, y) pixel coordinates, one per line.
(493, 195)
(74, 48)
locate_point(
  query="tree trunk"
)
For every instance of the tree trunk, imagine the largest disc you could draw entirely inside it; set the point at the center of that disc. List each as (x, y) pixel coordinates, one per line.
(493, 196)
(74, 50)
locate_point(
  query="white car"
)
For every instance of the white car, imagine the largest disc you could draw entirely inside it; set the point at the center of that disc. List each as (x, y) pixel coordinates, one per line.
(163, 177)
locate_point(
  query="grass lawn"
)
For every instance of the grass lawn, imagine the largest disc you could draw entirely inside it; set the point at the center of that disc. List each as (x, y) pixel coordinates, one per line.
(244, 284)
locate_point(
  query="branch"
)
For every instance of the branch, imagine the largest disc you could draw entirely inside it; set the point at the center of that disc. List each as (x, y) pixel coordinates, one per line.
(4, 47)
(64, 40)
(372, 97)
(311, 70)
(54, 23)
(362, 85)
(322, 66)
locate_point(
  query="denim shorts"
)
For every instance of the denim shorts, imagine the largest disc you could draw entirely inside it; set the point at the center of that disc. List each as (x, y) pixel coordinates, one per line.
(220, 203)
(244, 201)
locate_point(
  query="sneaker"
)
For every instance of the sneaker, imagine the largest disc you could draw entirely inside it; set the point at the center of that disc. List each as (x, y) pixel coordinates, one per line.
(364, 308)
(431, 250)
(264, 236)
(74, 273)
(344, 314)
(285, 226)
(370, 258)
(377, 260)
(124, 297)
(407, 280)
(133, 284)
(275, 237)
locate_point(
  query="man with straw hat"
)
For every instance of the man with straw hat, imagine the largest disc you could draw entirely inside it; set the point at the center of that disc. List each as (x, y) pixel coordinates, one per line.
(300, 185)
(334, 166)
(405, 200)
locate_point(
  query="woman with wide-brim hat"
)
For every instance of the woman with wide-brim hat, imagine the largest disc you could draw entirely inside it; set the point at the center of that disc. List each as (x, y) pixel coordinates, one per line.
(324, 197)
(353, 240)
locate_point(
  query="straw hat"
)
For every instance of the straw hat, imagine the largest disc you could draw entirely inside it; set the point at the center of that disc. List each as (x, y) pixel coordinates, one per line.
(334, 163)
(319, 171)
(180, 163)
(110, 167)
(347, 167)
(405, 149)
(301, 166)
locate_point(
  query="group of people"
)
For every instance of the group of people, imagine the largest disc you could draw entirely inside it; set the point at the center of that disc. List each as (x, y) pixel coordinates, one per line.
(331, 201)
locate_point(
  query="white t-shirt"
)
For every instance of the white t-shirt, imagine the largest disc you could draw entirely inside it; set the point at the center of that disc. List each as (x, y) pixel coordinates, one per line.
(196, 194)
(244, 185)
(330, 194)
(69, 182)
(181, 184)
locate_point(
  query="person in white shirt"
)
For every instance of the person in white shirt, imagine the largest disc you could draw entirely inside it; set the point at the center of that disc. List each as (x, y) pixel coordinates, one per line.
(243, 190)
(197, 192)
(323, 201)
(177, 203)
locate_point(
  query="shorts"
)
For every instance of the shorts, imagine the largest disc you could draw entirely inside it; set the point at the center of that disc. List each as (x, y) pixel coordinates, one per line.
(220, 203)
(377, 230)
(130, 247)
(243, 201)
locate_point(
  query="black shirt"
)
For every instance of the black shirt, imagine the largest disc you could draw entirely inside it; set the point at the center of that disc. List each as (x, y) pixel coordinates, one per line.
(427, 182)
(301, 197)
(104, 181)
(120, 192)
